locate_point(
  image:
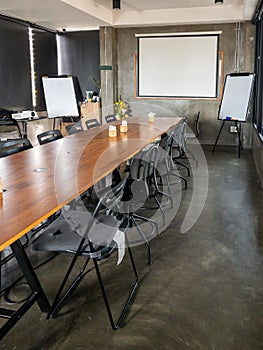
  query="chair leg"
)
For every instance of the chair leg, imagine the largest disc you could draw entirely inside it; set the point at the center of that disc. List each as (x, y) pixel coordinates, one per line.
(180, 177)
(59, 299)
(193, 156)
(183, 165)
(171, 172)
(166, 195)
(116, 325)
(145, 240)
(136, 216)
(160, 207)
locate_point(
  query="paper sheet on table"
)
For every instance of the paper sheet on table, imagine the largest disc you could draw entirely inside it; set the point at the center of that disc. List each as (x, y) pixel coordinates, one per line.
(119, 238)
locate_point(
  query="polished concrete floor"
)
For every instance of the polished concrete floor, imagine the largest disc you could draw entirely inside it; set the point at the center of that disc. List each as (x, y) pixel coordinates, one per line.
(204, 289)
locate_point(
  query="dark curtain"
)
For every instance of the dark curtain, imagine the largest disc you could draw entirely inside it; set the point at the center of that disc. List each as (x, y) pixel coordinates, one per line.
(80, 57)
(258, 89)
(45, 60)
(15, 77)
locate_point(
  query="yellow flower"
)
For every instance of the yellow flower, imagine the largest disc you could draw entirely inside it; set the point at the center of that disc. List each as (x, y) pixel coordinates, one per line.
(120, 109)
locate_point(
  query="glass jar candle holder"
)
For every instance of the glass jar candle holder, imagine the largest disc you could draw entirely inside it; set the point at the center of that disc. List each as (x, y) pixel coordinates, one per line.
(112, 131)
(151, 116)
(124, 126)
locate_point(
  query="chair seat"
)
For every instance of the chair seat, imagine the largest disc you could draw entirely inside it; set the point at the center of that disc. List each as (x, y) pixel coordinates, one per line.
(95, 236)
(66, 232)
(135, 195)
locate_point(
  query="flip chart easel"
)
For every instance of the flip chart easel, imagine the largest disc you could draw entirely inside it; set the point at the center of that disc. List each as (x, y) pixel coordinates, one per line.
(235, 102)
(60, 97)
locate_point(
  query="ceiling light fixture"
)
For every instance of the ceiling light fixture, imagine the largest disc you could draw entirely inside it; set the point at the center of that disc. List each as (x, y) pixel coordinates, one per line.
(219, 1)
(116, 4)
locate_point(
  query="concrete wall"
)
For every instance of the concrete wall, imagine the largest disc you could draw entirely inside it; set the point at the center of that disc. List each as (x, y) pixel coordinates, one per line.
(209, 125)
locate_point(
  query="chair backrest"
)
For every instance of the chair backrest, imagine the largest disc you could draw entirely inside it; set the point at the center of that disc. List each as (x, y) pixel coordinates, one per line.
(110, 118)
(143, 165)
(9, 122)
(49, 136)
(14, 146)
(196, 123)
(143, 175)
(74, 128)
(92, 123)
(177, 138)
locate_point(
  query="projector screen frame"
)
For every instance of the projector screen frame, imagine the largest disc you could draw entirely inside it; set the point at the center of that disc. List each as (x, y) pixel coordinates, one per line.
(219, 69)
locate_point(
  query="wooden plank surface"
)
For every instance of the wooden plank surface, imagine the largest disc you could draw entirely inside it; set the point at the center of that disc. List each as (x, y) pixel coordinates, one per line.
(72, 165)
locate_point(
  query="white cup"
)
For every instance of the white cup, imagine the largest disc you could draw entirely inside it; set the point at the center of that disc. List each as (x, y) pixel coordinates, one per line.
(151, 116)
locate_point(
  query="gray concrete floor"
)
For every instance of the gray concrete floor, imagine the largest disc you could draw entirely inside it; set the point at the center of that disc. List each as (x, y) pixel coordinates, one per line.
(204, 289)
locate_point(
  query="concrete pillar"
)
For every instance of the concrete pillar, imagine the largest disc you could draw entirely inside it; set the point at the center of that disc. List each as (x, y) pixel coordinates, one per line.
(108, 62)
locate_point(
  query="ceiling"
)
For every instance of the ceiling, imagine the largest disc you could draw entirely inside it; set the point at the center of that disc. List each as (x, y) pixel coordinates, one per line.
(90, 14)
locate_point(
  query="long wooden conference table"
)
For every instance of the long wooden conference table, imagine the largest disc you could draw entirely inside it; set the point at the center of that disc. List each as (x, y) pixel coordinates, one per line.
(40, 181)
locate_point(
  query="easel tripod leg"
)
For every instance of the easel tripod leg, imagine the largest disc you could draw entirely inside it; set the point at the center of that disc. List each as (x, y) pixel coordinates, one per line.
(240, 147)
(218, 135)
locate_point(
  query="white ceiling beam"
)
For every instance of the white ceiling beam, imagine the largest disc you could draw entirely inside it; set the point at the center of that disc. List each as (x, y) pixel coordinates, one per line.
(211, 14)
(249, 8)
(93, 9)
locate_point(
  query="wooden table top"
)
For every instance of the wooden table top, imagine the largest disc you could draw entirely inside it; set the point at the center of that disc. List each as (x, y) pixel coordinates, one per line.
(71, 165)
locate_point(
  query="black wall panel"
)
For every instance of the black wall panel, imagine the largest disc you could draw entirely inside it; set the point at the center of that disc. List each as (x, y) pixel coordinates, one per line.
(15, 78)
(80, 56)
(45, 61)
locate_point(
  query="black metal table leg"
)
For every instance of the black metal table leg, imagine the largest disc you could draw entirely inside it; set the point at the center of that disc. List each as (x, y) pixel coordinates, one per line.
(38, 295)
(30, 275)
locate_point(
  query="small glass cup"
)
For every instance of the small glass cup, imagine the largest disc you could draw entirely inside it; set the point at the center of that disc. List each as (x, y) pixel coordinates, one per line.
(151, 116)
(124, 126)
(112, 131)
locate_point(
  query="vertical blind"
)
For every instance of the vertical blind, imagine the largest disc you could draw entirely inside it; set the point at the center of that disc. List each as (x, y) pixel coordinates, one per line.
(45, 61)
(25, 50)
(80, 57)
(258, 103)
(15, 73)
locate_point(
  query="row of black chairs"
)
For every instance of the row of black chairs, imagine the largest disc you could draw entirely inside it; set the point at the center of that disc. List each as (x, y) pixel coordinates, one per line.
(82, 234)
(90, 123)
(93, 235)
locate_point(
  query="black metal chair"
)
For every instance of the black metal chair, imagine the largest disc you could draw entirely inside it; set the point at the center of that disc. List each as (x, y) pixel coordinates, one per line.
(146, 168)
(91, 236)
(110, 118)
(141, 187)
(74, 128)
(49, 136)
(178, 146)
(9, 122)
(196, 123)
(14, 146)
(180, 137)
(92, 123)
(165, 163)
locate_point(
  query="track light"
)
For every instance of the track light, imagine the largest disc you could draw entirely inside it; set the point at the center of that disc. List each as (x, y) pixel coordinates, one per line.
(116, 4)
(219, 1)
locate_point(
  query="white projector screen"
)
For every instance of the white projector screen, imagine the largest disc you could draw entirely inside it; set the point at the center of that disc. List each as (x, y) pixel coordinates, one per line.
(178, 66)
(60, 97)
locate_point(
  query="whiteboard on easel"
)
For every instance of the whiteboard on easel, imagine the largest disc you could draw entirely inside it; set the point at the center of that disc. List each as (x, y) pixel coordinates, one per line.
(236, 97)
(60, 97)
